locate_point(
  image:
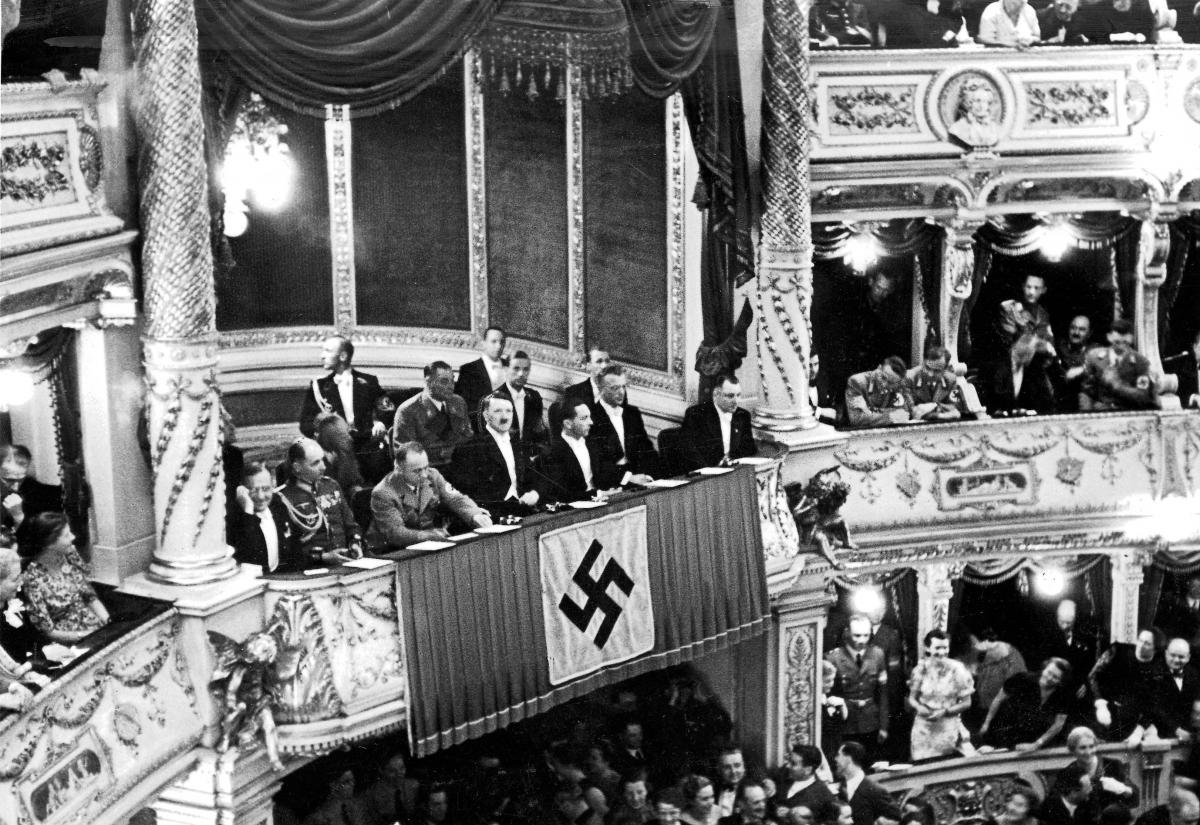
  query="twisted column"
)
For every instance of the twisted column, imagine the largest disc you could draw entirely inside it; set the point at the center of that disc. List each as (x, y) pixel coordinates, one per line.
(783, 299)
(180, 339)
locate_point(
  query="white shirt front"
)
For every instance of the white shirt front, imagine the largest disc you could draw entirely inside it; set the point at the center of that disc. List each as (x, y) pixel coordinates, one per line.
(579, 448)
(852, 785)
(800, 785)
(726, 420)
(495, 371)
(266, 523)
(617, 417)
(504, 442)
(726, 801)
(518, 400)
(345, 387)
(1018, 380)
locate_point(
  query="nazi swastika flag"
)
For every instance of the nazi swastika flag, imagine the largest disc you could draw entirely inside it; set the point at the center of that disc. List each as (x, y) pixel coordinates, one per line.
(596, 602)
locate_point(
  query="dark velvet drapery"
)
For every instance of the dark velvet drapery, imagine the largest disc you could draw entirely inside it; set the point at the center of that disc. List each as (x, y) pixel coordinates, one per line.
(369, 54)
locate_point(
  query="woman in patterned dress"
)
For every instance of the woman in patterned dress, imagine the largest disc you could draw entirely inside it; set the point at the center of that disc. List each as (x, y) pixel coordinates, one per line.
(939, 690)
(62, 605)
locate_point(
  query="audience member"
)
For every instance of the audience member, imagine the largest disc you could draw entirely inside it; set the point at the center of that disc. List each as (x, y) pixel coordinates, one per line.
(833, 709)
(392, 798)
(1075, 640)
(718, 430)
(845, 814)
(341, 464)
(571, 807)
(1109, 781)
(628, 753)
(731, 773)
(233, 462)
(668, 806)
(319, 516)
(1030, 710)
(339, 806)
(886, 637)
(484, 375)
(1179, 688)
(877, 398)
(601, 784)
(1072, 350)
(920, 24)
(869, 803)
(1010, 23)
(1187, 773)
(262, 534)
(1022, 801)
(528, 426)
(577, 467)
(632, 807)
(435, 808)
(61, 603)
(1187, 369)
(1182, 614)
(1182, 808)
(1026, 315)
(820, 395)
(933, 387)
(493, 469)
(1124, 684)
(1118, 21)
(700, 797)
(22, 497)
(840, 23)
(1069, 801)
(862, 673)
(17, 681)
(800, 786)
(991, 662)
(1117, 377)
(939, 691)
(751, 808)
(412, 502)
(1025, 381)
(588, 389)
(344, 391)
(618, 427)
(1060, 23)
(436, 417)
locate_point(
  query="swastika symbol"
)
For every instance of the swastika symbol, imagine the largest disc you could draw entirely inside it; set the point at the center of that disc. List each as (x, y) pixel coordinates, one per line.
(597, 594)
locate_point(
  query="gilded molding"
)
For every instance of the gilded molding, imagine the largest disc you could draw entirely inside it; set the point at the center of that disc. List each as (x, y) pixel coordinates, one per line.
(575, 241)
(476, 188)
(676, 198)
(341, 215)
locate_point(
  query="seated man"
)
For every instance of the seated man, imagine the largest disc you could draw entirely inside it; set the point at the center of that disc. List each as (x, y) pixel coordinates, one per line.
(1027, 315)
(576, 468)
(878, 398)
(1027, 380)
(617, 427)
(1118, 21)
(528, 427)
(1117, 377)
(1072, 355)
(262, 534)
(1069, 801)
(1186, 367)
(1060, 23)
(840, 23)
(436, 417)
(319, 516)
(412, 501)
(491, 468)
(21, 495)
(933, 387)
(718, 430)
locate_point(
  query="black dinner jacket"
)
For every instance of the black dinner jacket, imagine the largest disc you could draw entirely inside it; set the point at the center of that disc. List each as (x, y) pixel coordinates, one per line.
(1054, 812)
(534, 431)
(562, 477)
(1037, 388)
(1174, 706)
(1186, 373)
(478, 469)
(638, 450)
(366, 391)
(36, 497)
(474, 382)
(702, 445)
(249, 546)
(583, 391)
(871, 801)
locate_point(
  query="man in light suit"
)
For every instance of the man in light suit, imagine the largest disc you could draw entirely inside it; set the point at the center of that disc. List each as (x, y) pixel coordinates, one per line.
(617, 427)
(528, 427)
(436, 417)
(492, 468)
(345, 391)
(576, 468)
(717, 430)
(410, 502)
(483, 375)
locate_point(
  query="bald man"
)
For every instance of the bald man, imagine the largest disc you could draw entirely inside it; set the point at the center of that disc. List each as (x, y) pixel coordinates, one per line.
(1074, 639)
(1182, 808)
(1179, 688)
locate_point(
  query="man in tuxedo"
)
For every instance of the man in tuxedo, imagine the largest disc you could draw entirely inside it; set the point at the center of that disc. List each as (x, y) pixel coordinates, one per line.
(409, 504)
(869, 802)
(345, 391)
(718, 430)
(731, 775)
(629, 754)
(491, 468)
(751, 808)
(528, 427)
(1074, 640)
(436, 417)
(263, 536)
(801, 787)
(575, 468)
(863, 678)
(589, 389)
(1179, 688)
(1182, 808)
(1069, 801)
(1187, 370)
(21, 495)
(617, 427)
(484, 375)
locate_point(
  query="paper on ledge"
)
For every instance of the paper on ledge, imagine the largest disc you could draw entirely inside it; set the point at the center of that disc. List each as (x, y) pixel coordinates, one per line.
(752, 460)
(430, 545)
(667, 482)
(587, 505)
(462, 537)
(714, 471)
(497, 528)
(368, 564)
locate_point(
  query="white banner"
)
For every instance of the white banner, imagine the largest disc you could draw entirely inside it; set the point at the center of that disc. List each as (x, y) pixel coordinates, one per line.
(596, 604)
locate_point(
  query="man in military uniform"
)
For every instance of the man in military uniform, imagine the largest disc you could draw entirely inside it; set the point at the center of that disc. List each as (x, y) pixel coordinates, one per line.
(933, 388)
(1027, 315)
(322, 523)
(862, 668)
(1117, 377)
(1072, 360)
(878, 398)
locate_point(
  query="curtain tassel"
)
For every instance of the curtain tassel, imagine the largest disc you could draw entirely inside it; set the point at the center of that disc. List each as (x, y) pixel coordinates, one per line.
(517, 84)
(505, 88)
(560, 94)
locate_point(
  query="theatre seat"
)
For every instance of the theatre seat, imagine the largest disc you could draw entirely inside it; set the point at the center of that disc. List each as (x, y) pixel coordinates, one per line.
(670, 449)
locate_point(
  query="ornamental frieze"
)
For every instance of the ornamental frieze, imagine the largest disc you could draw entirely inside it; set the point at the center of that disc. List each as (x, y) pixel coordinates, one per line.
(872, 110)
(1069, 105)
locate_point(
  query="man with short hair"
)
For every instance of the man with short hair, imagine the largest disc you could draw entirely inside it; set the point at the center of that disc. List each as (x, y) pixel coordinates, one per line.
(1072, 351)
(668, 805)
(863, 670)
(344, 391)
(484, 375)
(801, 787)
(632, 808)
(751, 808)
(1068, 802)
(1186, 367)
(629, 752)
(933, 387)
(618, 427)
(527, 426)
(262, 534)
(435, 417)
(869, 803)
(322, 523)
(1025, 315)
(598, 360)
(1117, 377)
(1179, 688)
(1060, 23)
(718, 430)
(21, 495)
(410, 503)
(575, 467)
(731, 774)
(878, 398)
(1182, 808)
(491, 468)
(1074, 640)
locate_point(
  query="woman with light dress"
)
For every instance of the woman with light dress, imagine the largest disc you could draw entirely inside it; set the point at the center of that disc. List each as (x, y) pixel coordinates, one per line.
(939, 690)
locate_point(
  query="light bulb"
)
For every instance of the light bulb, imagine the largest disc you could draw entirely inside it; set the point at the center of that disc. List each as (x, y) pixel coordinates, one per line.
(273, 181)
(235, 220)
(861, 251)
(1057, 240)
(16, 388)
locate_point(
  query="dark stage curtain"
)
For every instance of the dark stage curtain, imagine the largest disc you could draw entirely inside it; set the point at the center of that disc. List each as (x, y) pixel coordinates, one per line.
(671, 41)
(1179, 296)
(369, 54)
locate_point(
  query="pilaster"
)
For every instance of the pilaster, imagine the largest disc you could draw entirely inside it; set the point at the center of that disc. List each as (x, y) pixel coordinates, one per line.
(223, 789)
(797, 638)
(958, 273)
(1152, 272)
(1128, 570)
(935, 588)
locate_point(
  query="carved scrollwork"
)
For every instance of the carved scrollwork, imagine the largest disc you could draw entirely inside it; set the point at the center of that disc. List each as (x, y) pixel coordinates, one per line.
(91, 162)
(309, 695)
(873, 109)
(800, 693)
(1060, 105)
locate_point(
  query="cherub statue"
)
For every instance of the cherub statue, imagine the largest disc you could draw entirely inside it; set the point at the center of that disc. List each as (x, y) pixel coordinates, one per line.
(816, 509)
(244, 684)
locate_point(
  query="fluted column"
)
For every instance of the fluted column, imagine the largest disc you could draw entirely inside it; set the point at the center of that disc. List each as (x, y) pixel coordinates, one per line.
(958, 273)
(180, 302)
(1152, 272)
(783, 297)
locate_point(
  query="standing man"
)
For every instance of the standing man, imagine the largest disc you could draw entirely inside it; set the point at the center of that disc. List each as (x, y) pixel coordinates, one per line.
(435, 417)
(1074, 640)
(598, 361)
(731, 775)
(1027, 315)
(491, 468)
(1179, 689)
(618, 427)
(869, 802)
(320, 518)
(1186, 367)
(718, 430)
(346, 392)
(1072, 354)
(483, 375)
(802, 788)
(1117, 377)
(528, 427)
(862, 668)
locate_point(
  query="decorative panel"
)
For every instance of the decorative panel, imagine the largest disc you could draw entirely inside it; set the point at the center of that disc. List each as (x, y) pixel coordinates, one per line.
(526, 172)
(410, 212)
(625, 227)
(282, 275)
